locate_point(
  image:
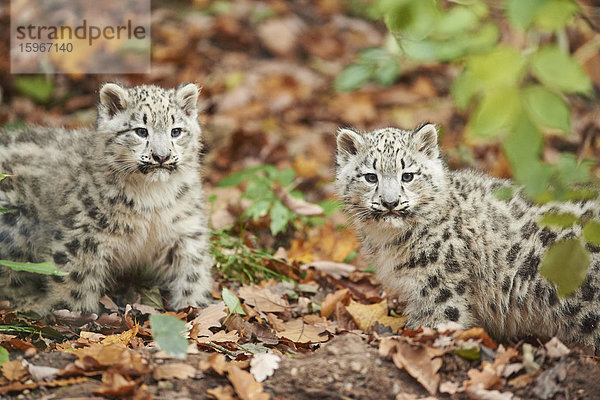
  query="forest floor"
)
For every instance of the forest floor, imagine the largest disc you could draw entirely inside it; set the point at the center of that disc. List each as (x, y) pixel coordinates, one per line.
(329, 331)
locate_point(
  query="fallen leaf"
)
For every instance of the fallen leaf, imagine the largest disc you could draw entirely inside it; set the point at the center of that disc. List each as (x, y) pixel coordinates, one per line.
(216, 362)
(210, 317)
(174, 371)
(479, 393)
(220, 337)
(556, 349)
(546, 385)
(263, 299)
(123, 338)
(221, 393)
(335, 269)
(300, 332)
(93, 337)
(115, 384)
(73, 318)
(300, 207)
(450, 387)
(478, 333)
(264, 365)
(331, 300)
(14, 370)
(42, 373)
(365, 315)
(421, 362)
(123, 360)
(245, 386)
(486, 378)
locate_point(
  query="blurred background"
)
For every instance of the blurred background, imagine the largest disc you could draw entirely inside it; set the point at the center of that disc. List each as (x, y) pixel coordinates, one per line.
(512, 84)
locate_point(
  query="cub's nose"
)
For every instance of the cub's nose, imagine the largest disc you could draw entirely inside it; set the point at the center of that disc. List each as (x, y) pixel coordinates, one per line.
(390, 205)
(159, 158)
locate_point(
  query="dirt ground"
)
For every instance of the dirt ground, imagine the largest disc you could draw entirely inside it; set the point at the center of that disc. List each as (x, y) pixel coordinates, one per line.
(347, 367)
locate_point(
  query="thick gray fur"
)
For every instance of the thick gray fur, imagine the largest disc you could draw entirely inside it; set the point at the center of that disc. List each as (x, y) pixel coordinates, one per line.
(97, 202)
(451, 249)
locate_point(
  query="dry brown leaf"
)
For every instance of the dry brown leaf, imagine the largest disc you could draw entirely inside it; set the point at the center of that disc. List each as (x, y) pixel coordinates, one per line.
(299, 331)
(331, 300)
(208, 318)
(115, 355)
(220, 337)
(174, 371)
(488, 377)
(365, 315)
(14, 370)
(478, 333)
(263, 299)
(115, 384)
(245, 385)
(222, 393)
(556, 349)
(300, 207)
(335, 269)
(123, 338)
(216, 362)
(248, 330)
(420, 362)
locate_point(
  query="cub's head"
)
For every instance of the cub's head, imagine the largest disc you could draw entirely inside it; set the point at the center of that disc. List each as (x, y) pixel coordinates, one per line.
(148, 130)
(390, 175)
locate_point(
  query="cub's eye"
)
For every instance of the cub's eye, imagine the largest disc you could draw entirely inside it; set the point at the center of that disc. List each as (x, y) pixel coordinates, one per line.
(141, 132)
(371, 178)
(175, 132)
(407, 176)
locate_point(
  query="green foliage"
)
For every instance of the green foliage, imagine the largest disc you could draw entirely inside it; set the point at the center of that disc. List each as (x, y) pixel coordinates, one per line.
(564, 220)
(3, 355)
(263, 181)
(232, 302)
(468, 352)
(236, 260)
(167, 332)
(45, 268)
(565, 264)
(374, 64)
(591, 232)
(37, 88)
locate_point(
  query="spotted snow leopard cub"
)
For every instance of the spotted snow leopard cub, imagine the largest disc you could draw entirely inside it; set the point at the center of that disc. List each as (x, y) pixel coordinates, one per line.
(450, 249)
(99, 201)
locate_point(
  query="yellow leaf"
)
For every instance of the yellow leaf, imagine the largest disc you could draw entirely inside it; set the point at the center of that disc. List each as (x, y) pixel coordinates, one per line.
(365, 315)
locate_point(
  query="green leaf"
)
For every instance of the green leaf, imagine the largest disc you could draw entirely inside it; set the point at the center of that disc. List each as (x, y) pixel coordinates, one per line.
(504, 193)
(591, 232)
(456, 21)
(470, 353)
(351, 256)
(387, 72)
(558, 70)
(496, 113)
(565, 264)
(285, 176)
(38, 88)
(562, 220)
(555, 14)
(280, 216)
(571, 171)
(2, 176)
(45, 268)
(330, 206)
(524, 143)
(521, 13)
(415, 20)
(3, 355)
(232, 302)
(258, 209)
(167, 332)
(235, 179)
(535, 176)
(547, 109)
(4, 210)
(152, 297)
(353, 77)
(501, 68)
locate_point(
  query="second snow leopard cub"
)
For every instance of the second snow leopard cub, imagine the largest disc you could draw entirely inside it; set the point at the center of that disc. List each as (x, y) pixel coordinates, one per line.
(450, 249)
(99, 201)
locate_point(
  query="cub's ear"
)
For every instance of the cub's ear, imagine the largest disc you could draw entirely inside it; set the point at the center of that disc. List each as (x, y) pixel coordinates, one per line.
(348, 143)
(113, 99)
(425, 139)
(187, 98)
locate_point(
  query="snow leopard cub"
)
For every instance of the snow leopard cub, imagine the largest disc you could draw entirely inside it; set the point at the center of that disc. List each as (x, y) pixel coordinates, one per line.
(450, 249)
(97, 202)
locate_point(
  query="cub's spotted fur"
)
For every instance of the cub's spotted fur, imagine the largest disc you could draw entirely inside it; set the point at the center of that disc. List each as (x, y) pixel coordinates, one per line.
(98, 202)
(450, 249)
